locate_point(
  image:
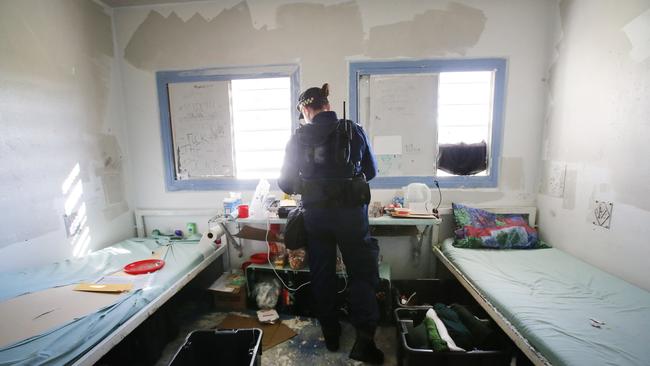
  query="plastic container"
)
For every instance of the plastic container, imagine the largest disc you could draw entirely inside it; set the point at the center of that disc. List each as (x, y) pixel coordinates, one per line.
(242, 211)
(235, 347)
(230, 205)
(419, 293)
(407, 355)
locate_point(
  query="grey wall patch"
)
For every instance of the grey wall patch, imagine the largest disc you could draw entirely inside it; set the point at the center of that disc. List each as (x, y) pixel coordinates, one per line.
(570, 184)
(553, 177)
(471, 196)
(168, 42)
(110, 172)
(638, 32)
(230, 38)
(435, 32)
(512, 173)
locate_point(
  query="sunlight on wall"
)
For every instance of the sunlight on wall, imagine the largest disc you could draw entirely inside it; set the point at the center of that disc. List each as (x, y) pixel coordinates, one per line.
(75, 217)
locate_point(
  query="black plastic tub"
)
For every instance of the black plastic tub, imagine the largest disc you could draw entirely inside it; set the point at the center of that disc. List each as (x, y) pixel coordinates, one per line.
(228, 347)
(407, 355)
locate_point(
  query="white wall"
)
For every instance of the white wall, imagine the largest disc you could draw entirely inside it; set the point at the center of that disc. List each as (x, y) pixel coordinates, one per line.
(598, 125)
(322, 37)
(60, 105)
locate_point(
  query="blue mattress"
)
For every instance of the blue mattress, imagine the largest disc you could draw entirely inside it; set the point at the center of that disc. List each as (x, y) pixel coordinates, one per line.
(66, 343)
(551, 298)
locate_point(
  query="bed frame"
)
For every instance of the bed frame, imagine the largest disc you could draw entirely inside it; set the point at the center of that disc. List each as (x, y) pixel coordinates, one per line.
(533, 355)
(95, 354)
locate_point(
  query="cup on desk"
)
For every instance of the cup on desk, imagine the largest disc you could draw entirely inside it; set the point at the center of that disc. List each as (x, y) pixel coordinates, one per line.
(242, 211)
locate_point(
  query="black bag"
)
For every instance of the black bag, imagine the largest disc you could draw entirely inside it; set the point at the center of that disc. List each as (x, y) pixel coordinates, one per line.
(295, 235)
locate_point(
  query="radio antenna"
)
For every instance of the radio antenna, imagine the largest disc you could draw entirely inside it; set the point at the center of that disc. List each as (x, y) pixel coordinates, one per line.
(344, 109)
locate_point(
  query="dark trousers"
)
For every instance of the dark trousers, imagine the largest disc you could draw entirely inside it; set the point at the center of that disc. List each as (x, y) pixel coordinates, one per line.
(347, 227)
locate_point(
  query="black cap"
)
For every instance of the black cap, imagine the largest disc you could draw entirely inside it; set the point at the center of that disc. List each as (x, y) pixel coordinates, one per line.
(313, 97)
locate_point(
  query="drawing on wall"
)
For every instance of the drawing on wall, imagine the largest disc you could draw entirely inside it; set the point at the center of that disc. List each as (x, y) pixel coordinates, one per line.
(603, 214)
(389, 165)
(201, 129)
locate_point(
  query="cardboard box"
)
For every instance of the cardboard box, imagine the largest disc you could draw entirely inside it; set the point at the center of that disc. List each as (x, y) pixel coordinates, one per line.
(228, 292)
(235, 300)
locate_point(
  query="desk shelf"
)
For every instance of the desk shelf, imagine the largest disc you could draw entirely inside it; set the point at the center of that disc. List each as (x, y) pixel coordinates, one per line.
(374, 221)
(304, 298)
(384, 269)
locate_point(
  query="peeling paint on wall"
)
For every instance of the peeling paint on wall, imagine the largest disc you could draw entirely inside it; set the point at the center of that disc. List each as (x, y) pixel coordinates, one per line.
(162, 43)
(55, 82)
(169, 42)
(638, 32)
(435, 32)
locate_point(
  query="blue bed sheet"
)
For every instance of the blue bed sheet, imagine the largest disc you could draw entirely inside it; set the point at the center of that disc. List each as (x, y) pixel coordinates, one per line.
(551, 298)
(64, 344)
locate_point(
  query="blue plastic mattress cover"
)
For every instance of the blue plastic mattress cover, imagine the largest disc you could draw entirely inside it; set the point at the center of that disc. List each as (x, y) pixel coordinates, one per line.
(555, 301)
(64, 344)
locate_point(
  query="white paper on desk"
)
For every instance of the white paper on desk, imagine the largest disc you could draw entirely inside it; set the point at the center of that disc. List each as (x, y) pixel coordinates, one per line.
(221, 284)
(138, 281)
(387, 145)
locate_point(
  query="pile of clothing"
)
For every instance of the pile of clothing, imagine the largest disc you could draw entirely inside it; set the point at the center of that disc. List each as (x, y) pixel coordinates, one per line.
(453, 328)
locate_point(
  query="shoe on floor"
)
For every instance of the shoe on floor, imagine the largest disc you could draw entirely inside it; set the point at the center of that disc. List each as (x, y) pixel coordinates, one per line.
(365, 349)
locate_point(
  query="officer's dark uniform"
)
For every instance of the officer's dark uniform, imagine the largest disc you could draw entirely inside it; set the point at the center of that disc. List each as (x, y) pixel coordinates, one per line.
(318, 165)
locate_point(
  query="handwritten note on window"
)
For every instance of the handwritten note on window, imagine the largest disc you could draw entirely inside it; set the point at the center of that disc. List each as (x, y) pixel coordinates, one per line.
(201, 129)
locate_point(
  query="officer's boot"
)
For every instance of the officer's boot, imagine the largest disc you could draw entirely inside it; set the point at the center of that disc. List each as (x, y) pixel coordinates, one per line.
(365, 349)
(331, 333)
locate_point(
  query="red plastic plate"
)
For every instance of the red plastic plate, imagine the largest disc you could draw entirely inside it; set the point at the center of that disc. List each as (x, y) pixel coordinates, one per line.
(144, 266)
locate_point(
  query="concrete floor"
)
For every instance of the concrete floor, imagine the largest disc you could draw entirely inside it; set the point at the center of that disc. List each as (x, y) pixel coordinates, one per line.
(306, 348)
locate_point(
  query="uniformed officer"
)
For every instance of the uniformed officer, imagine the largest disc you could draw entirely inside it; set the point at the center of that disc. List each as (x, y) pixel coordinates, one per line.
(328, 161)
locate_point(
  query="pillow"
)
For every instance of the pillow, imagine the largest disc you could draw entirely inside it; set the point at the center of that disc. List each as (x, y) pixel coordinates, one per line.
(476, 228)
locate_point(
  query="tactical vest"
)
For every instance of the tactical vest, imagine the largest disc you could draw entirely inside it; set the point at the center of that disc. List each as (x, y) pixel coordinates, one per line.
(331, 157)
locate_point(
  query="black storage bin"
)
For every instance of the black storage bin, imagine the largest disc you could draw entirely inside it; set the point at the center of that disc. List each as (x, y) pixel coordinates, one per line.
(425, 291)
(234, 347)
(407, 355)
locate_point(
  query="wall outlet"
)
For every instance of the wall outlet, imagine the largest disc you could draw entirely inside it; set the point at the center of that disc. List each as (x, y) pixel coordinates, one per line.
(603, 214)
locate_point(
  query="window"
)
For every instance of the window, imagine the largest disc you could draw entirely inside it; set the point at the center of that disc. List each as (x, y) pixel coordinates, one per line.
(261, 113)
(225, 128)
(431, 118)
(464, 110)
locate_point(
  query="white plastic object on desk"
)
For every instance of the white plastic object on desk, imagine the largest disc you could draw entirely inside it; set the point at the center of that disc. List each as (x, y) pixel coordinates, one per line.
(256, 207)
(418, 197)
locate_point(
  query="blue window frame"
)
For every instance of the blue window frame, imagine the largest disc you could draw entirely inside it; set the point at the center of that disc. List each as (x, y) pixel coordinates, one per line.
(164, 78)
(358, 70)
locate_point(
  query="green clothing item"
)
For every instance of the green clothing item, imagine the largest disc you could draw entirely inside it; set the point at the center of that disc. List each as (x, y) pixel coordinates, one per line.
(437, 343)
(417, 337)
(455, 327)
(480, 331)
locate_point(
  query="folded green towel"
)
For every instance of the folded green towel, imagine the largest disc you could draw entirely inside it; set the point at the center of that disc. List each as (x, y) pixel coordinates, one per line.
(455, 327)
(437, 343)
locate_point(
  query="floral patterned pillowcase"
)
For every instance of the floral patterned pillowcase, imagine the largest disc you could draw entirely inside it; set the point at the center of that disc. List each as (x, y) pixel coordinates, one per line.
(476, 228)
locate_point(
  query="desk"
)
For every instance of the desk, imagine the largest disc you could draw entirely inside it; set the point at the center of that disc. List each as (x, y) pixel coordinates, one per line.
(382, 220)
(422, 224)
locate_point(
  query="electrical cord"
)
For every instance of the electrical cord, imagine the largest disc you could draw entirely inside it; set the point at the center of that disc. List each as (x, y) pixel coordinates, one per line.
(268, 255)
(268, 258)
(435, 210)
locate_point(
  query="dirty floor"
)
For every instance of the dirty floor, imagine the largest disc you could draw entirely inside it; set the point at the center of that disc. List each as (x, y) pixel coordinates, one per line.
(306, 348)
